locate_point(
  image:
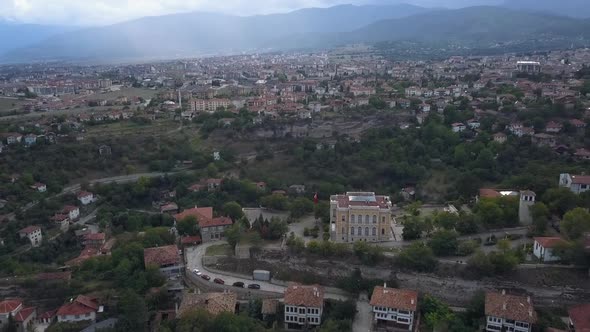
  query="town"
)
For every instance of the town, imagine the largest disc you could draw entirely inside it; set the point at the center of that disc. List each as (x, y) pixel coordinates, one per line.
(331, 191)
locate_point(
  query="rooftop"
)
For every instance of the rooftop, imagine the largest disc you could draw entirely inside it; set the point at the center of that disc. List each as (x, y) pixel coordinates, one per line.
(30, 229)
(549, 242)
(394, 298)
(308, 296)
(80, 306)
(508, 306)
(361, 199)
(161, 256)
(214, 303)
(580, 317)
(10, 305)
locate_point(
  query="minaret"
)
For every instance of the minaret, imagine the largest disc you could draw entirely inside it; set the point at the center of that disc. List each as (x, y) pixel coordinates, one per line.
(527, 200)
(179, 99)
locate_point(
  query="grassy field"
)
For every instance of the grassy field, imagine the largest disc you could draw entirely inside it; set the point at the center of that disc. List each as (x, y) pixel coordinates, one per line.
(219, 250)
(7, 104)
(127, 92)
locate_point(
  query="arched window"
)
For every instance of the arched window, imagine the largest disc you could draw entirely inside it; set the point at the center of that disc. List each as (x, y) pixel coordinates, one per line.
(383, 219)
(366, 231)
(351, 230)
(382, 231)
(352, 219)
(367, 219)
(374, 219)
(360, 231)
(374, 231)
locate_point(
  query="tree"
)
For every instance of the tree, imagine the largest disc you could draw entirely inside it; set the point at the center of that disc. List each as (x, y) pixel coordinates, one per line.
(444, 243)
(300, 207)
(417, 256)
(446, 220)
(133, 314)
(277, 228)
(413, 228)
(575, 223)
(188, 226)
(540, 214)
(466, 224)
(233, 210)
(233, 234)
(437, 314)
(561, 200)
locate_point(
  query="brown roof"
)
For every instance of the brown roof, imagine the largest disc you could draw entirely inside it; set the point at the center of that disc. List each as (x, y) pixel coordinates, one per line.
(190, 239)
(80, 306)
(581, 179)
(161, 256)
(270, 306)
(308, 296)
(30, 229)
(83, 194)
(508, 306)
(394, 298)
(7, 306)
(549, 242)
(488, 193)
(199, 213)
(24, 314)
(214, 303)
(580, 317)
(221, 221)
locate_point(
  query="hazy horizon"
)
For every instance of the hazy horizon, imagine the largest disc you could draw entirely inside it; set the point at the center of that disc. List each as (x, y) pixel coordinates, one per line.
(105, 12)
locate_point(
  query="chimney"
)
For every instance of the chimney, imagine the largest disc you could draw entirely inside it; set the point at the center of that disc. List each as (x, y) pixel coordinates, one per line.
(528, 299)
(503, 292)
(412, 301)
(504, 306)
(384, 285)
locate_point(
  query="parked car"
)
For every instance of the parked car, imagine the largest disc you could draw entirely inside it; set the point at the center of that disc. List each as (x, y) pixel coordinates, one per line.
(254, 286)
(197, 272)
(206, 277)
(219, 281)
(238, 284)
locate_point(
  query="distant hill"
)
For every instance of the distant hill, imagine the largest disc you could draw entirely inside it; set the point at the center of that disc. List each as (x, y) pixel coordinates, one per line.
(14, 35)
(573, 8)
(203, 33)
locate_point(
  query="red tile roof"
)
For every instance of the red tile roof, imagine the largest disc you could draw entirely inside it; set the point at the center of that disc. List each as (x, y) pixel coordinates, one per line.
(394, 298)
(308, 296)
(161, 256)
(48, 315)
(510, 307)
(549, 242)
(199, 213)
(580, 317)
(30, 229)
(190, 239)
(59, 217)
(24, 314)
(488, 193)
(8, 306)
(69, 208)
(581, 179)
(95, 237)
(84, 194)
(80, 306)
(221, 221)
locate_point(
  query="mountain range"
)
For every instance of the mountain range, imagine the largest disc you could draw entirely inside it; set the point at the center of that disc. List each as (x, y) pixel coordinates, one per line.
(194, 34)
(14, 35)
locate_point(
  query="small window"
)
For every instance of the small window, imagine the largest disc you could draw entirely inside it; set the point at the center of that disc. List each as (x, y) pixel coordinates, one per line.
(367, 219)
(351, 230)
(366, 231)
(374, 219)
(374, 231)
(352, 219)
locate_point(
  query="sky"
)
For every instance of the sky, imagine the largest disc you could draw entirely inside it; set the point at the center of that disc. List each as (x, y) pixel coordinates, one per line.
(103, 12)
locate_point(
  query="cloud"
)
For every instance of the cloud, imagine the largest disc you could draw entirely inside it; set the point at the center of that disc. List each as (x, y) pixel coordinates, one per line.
(100, 12)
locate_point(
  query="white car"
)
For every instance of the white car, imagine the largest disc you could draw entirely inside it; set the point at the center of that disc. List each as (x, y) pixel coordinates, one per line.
(197, 272)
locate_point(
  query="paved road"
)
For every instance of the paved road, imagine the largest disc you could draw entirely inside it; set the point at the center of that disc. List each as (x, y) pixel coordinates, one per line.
(364, 317)
(194, 257)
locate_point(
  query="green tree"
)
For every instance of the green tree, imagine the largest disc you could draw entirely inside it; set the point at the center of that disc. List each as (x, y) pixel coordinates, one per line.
(575, 223)
(560, 200)
(540, 214)
(233, 234)
(300, 207)
(444, 243)
(233, 210)
(417, 256)
(133, 314)
(413, 227)
(188, 226)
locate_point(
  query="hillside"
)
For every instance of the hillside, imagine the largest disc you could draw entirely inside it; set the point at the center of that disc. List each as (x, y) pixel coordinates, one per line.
(15, 35)
(203, 33)
(573, 8)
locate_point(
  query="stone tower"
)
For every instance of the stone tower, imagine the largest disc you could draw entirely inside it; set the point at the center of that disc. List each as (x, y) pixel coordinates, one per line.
(527, 199)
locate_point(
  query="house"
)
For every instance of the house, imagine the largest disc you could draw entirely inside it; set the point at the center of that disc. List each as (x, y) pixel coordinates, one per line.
(553, 127)
(214, 303)
(23, 316)
(297, 189)
(13, 138)
(166, 258)
(458, 127)
(85, 197)
(582, 154)
(576, 183)
(30, 139)
(500, 138)
(33, 233)
(579, 318)
(261, 186)
(189, 241)
(47, 318)
(73, 212)
(62, 221)
(94, 240)
(543, 248)
(473, 124)
(196, 187)
(40, 187)
(169, 208)
(82, 308)
(212, 229)
(214, 184)
(578, 124)
(270, 308)
(505, 312)
(304, 306)
(394, 308)
(543, 139)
